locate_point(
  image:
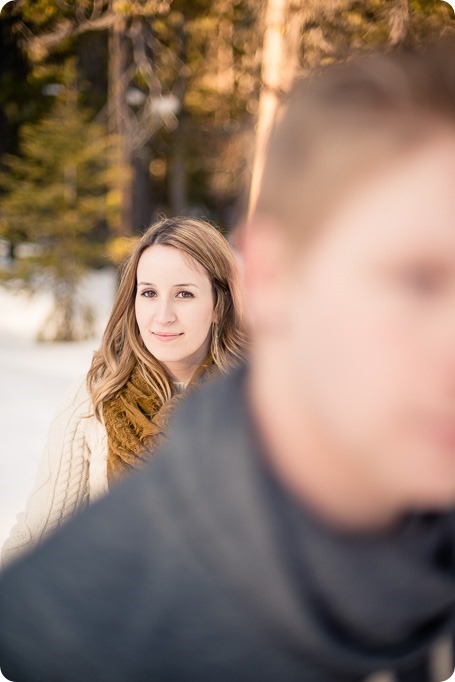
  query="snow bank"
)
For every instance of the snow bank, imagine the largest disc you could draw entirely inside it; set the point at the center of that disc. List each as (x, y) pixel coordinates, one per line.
(33, 380)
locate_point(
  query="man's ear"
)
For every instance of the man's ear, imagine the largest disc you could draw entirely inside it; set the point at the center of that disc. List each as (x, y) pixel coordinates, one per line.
(265, 260)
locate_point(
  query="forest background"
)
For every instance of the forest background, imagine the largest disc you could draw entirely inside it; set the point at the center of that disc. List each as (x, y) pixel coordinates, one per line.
(113, 112)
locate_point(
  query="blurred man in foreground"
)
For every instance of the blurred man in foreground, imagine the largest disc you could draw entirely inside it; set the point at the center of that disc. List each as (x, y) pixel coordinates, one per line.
(299, 525)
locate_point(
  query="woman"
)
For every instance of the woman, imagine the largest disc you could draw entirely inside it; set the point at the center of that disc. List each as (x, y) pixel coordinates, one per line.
(177, 319)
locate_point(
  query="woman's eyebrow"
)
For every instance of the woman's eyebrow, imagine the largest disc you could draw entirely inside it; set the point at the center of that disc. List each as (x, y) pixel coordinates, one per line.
(150, 284)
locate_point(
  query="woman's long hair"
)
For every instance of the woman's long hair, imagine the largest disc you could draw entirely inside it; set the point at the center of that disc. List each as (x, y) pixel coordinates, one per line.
(122, 348)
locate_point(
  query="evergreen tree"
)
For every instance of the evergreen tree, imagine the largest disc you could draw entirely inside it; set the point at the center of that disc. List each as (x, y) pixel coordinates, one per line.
(56, 194)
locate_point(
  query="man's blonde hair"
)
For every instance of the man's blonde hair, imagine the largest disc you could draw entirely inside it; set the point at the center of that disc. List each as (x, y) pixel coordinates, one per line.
(346, 121)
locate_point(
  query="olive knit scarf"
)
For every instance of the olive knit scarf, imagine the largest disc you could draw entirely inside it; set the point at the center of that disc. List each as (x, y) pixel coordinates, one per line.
(137, 422)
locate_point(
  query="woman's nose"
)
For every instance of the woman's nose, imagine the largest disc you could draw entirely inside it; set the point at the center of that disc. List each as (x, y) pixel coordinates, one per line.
(164, 311)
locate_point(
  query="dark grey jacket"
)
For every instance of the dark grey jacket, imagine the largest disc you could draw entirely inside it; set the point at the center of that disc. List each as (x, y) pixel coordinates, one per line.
(202, 568)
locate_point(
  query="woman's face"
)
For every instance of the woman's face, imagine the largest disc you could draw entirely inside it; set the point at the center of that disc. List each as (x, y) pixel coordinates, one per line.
(174, 309)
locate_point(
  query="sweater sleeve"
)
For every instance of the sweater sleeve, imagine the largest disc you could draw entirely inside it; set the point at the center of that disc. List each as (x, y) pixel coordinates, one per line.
(62, 482)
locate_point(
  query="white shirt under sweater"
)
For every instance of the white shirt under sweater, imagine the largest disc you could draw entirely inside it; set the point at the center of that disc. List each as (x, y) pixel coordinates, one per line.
(71, 474)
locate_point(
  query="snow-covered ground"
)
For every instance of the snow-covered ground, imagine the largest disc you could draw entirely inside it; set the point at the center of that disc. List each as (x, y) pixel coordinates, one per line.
(33, 379)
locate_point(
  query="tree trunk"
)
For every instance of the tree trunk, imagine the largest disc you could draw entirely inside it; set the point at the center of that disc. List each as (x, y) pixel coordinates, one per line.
(399, 23)
(272, 65)
(225, 73)
(177, 178)
(118, 120)
(142, 205)
(177, 181)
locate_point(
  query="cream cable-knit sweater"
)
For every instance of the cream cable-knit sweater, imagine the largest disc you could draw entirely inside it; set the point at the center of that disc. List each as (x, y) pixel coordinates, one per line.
(71, 474)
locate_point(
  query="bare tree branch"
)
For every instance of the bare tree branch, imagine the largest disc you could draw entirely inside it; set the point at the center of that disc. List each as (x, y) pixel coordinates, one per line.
(67, 29)
(97, 9)
(136, 35)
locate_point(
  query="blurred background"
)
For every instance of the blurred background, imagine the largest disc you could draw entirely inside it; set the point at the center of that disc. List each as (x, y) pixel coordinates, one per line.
(113, 112)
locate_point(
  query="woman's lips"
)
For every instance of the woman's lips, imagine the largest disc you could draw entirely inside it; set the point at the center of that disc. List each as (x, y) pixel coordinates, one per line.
(166, 336)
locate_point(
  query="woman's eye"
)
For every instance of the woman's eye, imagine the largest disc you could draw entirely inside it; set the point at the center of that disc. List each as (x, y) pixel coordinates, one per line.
(185, 294)
(148, 293)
